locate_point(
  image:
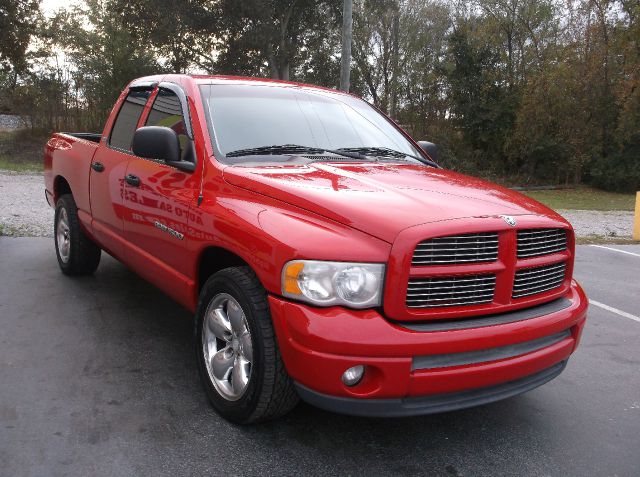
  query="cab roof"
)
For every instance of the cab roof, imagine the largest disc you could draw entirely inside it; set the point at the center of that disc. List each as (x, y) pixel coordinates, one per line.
(229, 79)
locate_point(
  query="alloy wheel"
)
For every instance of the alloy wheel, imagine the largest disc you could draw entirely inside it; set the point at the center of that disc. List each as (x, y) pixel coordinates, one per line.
(227, 346)
(63, 235)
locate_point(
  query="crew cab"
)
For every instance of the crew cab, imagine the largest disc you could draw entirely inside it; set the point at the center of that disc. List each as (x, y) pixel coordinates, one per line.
(326, 255)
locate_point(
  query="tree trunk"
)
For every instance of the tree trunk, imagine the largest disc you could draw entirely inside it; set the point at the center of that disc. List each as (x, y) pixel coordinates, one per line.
(284, 69)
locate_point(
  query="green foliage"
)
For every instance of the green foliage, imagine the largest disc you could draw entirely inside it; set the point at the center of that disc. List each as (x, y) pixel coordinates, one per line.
(22, 150)
(273, 38)
(19, 20)
(482, 110)
(621, 170)
(423, 42)
(179, 33)
(104, 53)
(524, 91)
(583, 198)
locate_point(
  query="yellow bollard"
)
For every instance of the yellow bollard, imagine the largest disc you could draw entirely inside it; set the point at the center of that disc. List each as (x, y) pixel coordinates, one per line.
(636, 222)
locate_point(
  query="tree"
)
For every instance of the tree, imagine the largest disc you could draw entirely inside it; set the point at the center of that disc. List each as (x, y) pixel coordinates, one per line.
(520, 90)
(266, 37)
(18, 23)
(104, 54)
(373, 48)
(181, 33)
(420, 86)
(481, 107)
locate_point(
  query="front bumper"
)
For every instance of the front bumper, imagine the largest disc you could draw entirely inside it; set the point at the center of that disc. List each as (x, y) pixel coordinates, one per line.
(419, 370)
(430, 404)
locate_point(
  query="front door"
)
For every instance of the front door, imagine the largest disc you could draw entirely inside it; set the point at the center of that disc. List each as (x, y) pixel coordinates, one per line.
(158, 200)
(108, 170)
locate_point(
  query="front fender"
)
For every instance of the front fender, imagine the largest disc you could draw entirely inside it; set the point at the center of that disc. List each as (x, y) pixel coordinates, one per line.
(298, 235)
(266, 236)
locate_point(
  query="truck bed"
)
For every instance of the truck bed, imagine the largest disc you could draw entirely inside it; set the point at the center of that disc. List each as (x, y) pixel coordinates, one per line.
(69, 155)
(93, 137)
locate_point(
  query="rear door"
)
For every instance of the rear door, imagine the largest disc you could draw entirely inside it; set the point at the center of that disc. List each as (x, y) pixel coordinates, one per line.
(158, 200)
(108, 169)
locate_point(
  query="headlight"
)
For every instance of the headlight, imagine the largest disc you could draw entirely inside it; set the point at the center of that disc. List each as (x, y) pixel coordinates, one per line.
(356, 285)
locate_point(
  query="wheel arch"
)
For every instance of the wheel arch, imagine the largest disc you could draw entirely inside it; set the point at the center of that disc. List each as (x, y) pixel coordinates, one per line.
(60, 187)
(212, 259)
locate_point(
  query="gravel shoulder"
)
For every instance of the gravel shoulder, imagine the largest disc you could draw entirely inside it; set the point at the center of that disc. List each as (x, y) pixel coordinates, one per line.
(24, 212)
(596, 223)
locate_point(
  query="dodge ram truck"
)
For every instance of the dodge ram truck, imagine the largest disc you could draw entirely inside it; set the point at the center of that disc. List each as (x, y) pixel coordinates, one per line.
(325, 253)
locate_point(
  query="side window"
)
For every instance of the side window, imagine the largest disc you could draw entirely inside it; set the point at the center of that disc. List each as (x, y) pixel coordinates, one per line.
(167, 111)
(127, 120)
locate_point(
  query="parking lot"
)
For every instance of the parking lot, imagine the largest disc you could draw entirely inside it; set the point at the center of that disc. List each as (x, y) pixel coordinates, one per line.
(97, 377)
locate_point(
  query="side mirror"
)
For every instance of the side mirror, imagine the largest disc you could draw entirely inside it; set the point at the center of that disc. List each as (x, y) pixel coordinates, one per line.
(430, 148)
(155, 142)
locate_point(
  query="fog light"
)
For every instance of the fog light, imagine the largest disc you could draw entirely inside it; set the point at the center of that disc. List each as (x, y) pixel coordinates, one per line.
(352, 376)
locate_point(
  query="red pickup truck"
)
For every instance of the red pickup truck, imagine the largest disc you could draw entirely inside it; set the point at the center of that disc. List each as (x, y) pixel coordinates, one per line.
(325, 253)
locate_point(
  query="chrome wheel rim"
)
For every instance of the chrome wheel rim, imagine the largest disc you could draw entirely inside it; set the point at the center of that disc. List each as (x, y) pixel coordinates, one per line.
(62, 235)
(227, 346)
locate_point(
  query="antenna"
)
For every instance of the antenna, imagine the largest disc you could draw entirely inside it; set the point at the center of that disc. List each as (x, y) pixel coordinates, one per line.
(200, 196)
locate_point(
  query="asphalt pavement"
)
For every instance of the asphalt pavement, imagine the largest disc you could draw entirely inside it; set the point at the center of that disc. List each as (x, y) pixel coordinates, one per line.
(98, 377)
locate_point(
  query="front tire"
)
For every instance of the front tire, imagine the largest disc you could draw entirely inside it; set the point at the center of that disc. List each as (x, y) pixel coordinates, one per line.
(77, 254)
(237, 351)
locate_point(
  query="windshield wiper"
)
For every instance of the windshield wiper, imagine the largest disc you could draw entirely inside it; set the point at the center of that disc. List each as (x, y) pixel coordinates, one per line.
(386, 152)
(293, 149)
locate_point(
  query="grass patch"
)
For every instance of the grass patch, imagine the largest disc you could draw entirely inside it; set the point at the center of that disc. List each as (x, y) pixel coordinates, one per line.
(8, 231)
(602, 240)
(15, 166)
(22, 150)
(19, 231)
(583, 198)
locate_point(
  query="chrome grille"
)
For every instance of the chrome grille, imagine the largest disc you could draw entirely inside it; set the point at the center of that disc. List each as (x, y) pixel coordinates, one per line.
(450, 291)
(479, 247)
(531, 281)
(534, 242)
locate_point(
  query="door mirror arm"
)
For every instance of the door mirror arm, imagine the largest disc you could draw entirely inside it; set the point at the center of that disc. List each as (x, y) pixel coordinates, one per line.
(186, 166)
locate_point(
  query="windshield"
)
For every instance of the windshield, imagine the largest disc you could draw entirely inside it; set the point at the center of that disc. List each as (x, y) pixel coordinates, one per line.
(244, 117)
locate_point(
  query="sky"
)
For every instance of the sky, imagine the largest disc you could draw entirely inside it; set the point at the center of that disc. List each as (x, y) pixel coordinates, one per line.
(50, 6)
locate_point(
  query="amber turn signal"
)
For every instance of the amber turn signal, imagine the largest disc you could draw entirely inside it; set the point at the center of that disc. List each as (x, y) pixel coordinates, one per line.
(291, 272)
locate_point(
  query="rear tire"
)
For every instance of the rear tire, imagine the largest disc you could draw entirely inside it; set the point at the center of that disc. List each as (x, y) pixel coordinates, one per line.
(77, 254)
(233, 324)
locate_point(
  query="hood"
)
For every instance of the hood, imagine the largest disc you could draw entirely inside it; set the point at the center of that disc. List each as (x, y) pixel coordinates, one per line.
(383, 199)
